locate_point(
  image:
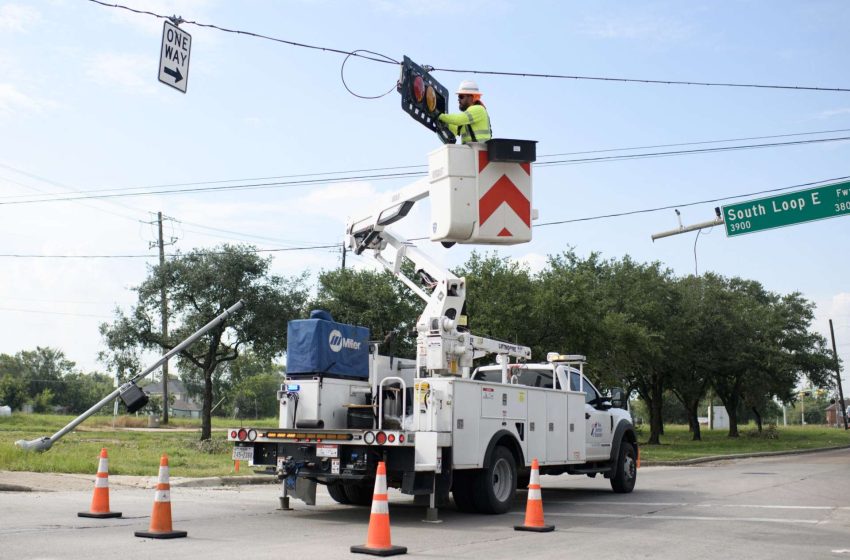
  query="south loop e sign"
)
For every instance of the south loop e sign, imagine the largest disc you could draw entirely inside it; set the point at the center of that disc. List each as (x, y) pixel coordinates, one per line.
(174, 56)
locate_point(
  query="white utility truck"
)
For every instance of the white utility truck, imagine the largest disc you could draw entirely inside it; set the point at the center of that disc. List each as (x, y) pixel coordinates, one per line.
(438, 423)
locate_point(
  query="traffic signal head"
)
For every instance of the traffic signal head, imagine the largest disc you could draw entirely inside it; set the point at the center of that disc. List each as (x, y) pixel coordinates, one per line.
(424, 98)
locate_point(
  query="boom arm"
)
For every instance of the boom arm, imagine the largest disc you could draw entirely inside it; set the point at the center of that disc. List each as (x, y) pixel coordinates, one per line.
(444, 345)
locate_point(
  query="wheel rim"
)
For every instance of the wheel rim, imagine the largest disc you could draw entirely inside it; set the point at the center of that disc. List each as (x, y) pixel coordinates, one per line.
(629, 466)
(502, 480)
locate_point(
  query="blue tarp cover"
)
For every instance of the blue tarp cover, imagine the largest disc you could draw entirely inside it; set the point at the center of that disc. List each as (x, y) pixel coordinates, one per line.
(328, 348)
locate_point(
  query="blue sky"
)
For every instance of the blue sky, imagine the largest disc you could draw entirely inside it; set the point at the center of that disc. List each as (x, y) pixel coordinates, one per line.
(81, 109)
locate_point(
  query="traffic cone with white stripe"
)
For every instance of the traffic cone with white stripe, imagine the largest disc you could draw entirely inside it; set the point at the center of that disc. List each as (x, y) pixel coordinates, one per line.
(161, 516)
(378, 538)
(100, 500)
(534, 507)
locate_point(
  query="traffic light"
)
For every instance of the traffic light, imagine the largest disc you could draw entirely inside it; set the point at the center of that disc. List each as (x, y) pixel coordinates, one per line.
(424, 98)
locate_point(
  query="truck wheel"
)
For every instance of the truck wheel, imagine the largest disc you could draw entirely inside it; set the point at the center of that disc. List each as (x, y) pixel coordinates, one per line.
(495, 487)
(462, 488)
(337, 492)
(359, 494)
(625, 475)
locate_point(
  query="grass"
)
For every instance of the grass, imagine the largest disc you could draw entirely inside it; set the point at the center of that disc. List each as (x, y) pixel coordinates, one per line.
(131, 452)
(134, 452)
(676, 443)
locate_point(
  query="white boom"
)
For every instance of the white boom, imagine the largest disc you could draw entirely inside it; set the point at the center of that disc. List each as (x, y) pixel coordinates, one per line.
(444, 345)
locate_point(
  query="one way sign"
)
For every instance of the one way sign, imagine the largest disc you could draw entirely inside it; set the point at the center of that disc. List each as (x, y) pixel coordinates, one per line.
(174, 57)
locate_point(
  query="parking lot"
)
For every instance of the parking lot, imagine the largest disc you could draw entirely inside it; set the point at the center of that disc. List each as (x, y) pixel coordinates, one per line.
(794, 506)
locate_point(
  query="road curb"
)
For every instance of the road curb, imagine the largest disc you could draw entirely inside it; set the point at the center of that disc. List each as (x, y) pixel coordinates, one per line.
(713, 458)
(207, 482)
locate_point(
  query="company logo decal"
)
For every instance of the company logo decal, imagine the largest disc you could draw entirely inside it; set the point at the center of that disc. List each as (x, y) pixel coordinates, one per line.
(337, 342)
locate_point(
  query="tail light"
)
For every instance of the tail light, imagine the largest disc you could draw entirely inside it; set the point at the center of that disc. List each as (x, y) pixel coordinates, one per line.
(243, 433)
(381, 438)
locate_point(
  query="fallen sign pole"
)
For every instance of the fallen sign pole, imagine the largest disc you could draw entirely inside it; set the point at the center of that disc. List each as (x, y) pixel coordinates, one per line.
(819, 203)
(128, 388)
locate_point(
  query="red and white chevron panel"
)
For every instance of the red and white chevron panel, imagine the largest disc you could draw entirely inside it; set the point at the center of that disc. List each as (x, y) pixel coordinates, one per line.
(504, 202)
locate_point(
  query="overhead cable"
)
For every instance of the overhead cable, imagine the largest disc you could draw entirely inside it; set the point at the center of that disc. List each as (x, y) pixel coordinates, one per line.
(384, 59)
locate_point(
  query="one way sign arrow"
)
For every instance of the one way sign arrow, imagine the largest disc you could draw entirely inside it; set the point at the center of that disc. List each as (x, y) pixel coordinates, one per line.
(174, 73)
(174, 56)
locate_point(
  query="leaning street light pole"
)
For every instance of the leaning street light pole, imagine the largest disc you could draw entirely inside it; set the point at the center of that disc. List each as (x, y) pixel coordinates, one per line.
(129, 388)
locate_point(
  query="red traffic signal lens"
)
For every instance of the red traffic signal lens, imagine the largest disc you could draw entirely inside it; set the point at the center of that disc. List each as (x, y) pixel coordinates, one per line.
(418, 88)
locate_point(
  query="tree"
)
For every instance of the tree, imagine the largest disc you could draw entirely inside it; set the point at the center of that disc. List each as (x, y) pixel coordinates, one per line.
(249, 385)
(200, 286)
(499, 298)
(13, 391)
(376, 300)
(638, 301)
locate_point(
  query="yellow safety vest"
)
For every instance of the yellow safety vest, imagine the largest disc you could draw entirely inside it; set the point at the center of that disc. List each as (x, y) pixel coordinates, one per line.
(472, 123)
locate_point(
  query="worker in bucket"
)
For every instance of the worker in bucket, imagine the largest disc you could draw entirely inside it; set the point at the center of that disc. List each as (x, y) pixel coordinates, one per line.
(473, 123)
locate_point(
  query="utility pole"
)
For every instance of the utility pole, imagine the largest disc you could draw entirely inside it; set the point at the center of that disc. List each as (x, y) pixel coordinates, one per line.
(343, 255)
(163, 311)
(842, 407)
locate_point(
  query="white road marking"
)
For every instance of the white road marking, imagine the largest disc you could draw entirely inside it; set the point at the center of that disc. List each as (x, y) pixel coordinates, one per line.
(680, 517)
(704, 505)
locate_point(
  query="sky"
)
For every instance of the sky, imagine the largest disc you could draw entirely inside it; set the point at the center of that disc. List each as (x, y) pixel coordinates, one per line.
(81, 110)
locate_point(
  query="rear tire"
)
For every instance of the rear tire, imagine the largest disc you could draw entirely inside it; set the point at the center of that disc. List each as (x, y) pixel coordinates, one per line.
(337, 492)
(358, 494)
(462, 488)
(494, 488)
(625, 474)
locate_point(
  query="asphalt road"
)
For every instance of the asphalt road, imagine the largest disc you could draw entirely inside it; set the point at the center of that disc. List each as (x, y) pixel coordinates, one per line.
(789, 507)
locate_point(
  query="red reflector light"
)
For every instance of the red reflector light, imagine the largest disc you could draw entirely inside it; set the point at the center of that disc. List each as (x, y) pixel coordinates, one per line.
(381, 438)
(233, 434)
(391, 438)
(401, 438)
(243, 433)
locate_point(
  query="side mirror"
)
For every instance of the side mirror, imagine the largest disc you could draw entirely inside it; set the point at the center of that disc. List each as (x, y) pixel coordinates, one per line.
(619, 399)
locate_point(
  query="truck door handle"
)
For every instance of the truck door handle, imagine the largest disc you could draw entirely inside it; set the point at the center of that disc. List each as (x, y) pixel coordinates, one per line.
(587, 416)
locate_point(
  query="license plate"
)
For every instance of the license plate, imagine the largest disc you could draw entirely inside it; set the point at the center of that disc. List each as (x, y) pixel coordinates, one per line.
(243, 453)
(325, 450)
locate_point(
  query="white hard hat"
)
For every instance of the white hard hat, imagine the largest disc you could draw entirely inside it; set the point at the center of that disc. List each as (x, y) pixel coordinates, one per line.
(468, 87)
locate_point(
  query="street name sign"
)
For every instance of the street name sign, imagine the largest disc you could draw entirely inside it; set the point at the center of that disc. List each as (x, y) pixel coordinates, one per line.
(174, 56)
(819, 203)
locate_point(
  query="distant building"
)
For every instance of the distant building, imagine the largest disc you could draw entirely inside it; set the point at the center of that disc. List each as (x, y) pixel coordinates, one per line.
(833, 414)
(182, 405)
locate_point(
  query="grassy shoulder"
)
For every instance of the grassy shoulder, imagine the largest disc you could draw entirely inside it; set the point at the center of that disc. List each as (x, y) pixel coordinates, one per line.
(134, 450)
(677, 442)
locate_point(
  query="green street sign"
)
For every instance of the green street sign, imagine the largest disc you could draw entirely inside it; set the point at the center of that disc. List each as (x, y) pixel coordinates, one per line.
(788, 209)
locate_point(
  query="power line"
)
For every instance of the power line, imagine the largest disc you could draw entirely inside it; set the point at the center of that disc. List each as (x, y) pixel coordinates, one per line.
(686, 204)
(251, 186)
(420, 166)
(544, 224)
(386, 176)
(277, 250)
(651, 155)
(384, 59)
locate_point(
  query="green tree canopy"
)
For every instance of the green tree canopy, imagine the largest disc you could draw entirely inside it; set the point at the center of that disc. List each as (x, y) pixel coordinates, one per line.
(200, 285)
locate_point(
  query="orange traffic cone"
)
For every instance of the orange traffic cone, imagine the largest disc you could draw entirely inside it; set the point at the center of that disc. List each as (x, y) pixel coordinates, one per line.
(378, 538)
(534, 507)
(161, 516)
(100, 500)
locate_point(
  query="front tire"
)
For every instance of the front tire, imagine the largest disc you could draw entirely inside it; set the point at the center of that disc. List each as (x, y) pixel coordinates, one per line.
(495, 487)
(625, 475)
